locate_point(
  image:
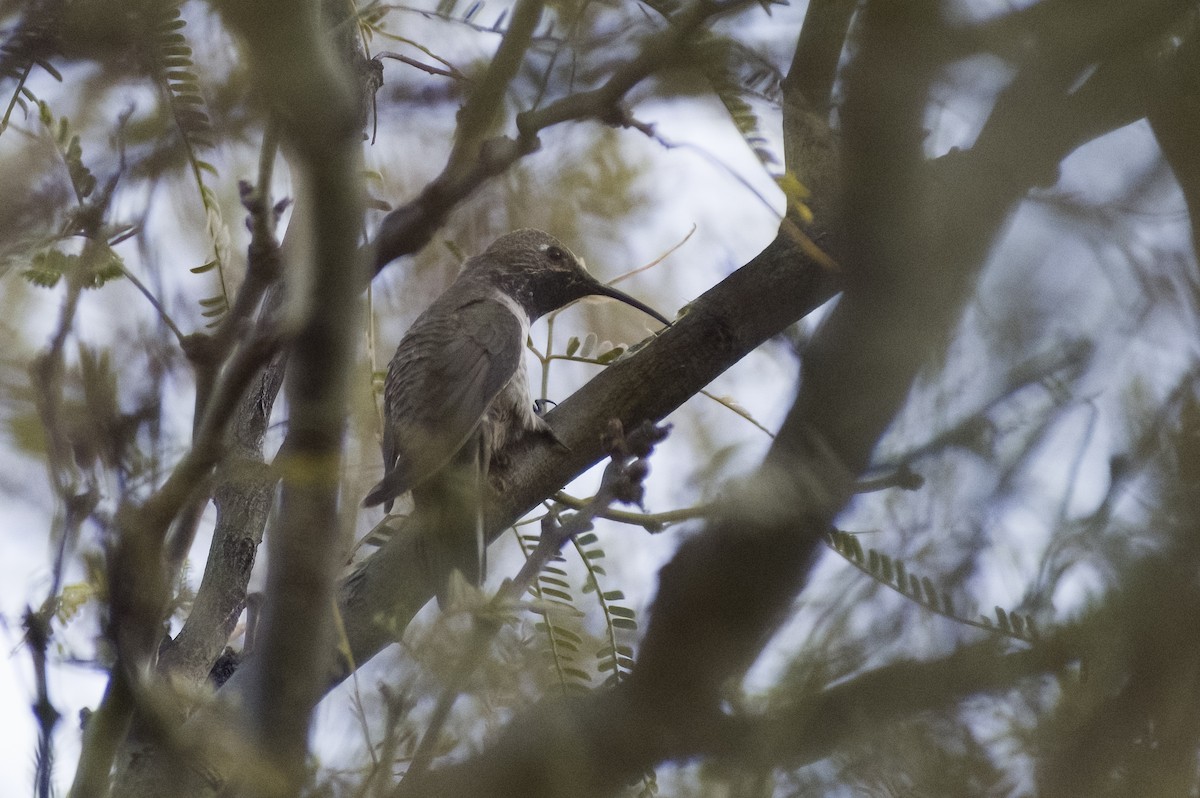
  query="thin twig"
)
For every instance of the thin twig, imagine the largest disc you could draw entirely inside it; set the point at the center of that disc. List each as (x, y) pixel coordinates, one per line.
(153, 300)
(651, 522)
(622, 277)
(741, 411)
(432, 70)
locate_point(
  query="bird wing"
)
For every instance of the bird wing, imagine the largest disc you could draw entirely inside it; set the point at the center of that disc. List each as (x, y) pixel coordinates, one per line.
(447, 370)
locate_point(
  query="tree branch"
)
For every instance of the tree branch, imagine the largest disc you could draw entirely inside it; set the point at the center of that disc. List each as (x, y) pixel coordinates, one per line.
(409, 227)
(295, 65)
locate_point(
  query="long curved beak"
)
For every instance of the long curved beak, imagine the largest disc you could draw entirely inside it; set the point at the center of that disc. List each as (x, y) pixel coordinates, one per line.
(603, 290)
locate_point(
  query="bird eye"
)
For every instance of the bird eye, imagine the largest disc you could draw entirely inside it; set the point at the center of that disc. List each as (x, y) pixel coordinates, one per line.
(555, 254)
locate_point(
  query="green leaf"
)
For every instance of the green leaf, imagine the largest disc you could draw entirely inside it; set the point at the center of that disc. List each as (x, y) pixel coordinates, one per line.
(564, 633)
(931, 597)
(43, 278)
(49, 69)
(610, 355)
(578, 674)
(588, 345)
(1002, 619)
(1031, 628)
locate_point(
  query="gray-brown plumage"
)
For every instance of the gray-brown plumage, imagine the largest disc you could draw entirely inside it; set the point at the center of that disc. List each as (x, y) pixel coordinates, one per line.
(456, 392)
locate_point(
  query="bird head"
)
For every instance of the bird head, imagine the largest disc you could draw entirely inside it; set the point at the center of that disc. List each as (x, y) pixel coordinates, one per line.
(536, 270)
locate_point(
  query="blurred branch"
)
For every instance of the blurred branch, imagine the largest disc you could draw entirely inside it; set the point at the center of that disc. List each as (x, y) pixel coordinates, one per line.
(575, 733)
(474, 159)
(37, 640)
(811, 76)
(294, 63)
(858, 708)
(478, 114)
(1057, 31)
(1174, 114)
(1142, 648)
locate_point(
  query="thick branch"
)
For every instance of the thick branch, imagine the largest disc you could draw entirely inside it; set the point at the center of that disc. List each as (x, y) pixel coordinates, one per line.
(814, 64)
(571, 732)
(1174, 115)
(295, 66)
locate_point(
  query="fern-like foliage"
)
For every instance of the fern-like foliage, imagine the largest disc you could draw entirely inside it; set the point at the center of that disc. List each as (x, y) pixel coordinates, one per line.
(172, 67)
(98, 263)
(615, 657)
(738, 75)
(69, 147)
(94, 268)
(894, 574)
(20, 52)
(562, 643)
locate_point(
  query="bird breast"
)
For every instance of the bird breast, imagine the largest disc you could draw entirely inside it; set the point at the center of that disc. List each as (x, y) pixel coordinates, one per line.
(511, 413)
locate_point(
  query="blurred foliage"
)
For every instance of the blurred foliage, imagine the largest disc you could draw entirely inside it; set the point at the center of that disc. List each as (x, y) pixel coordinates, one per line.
(1058, 435)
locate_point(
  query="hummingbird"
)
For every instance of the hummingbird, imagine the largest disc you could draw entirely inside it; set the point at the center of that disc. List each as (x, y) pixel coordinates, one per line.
(457, 392)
